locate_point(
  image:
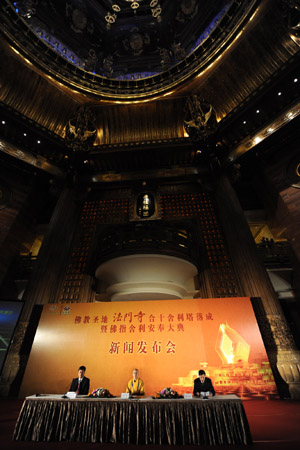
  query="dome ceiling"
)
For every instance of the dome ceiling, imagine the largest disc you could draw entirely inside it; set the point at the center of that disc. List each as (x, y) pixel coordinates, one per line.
(114, 40)
(124, 48)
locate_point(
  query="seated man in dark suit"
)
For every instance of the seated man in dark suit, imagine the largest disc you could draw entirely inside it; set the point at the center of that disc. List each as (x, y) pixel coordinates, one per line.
(203, 386)
(80, 385)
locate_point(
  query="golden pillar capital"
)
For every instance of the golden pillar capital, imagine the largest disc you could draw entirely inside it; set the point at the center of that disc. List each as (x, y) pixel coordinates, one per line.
(288, 364)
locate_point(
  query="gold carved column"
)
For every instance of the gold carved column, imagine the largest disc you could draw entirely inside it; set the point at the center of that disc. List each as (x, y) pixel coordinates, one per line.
(43, 286)
(254, 281)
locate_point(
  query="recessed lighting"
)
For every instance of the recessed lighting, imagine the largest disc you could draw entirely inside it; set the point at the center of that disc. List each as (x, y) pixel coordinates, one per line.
(295, 80)
(85, 161)
(244, 122)
(38, 142)
(3, 122)
(257, 111)
(257, 140)
(25, 134)
(279, 93)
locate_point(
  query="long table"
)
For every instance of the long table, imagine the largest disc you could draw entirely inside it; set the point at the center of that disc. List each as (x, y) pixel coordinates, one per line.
(218, 421)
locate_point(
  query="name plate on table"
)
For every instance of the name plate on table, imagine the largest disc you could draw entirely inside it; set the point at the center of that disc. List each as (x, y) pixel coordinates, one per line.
(125, 395)
(71, 394)
(188, 396)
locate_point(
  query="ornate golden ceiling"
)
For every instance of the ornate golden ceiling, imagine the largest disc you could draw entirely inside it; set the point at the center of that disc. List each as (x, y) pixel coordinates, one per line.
(133, 56)
(240, 63)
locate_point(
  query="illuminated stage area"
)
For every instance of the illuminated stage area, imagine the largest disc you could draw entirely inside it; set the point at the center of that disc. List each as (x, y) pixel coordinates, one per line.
(168, 341)
(149, 196)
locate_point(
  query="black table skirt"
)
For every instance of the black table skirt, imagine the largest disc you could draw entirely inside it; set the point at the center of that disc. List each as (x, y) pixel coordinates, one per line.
(202, 422)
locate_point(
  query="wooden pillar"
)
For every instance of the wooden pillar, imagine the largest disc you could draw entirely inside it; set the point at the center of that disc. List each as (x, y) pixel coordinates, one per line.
(255, 283)
(43, 286)
(14, 220)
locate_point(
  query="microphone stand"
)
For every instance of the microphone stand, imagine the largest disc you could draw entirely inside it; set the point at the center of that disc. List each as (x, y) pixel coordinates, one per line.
(66, 390)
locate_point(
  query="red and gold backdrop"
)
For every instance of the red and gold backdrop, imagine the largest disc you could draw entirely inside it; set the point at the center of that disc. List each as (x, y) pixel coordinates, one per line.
(168, 341)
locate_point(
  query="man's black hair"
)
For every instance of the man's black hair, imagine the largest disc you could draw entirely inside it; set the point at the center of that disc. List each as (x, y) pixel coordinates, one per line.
(201, 372)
